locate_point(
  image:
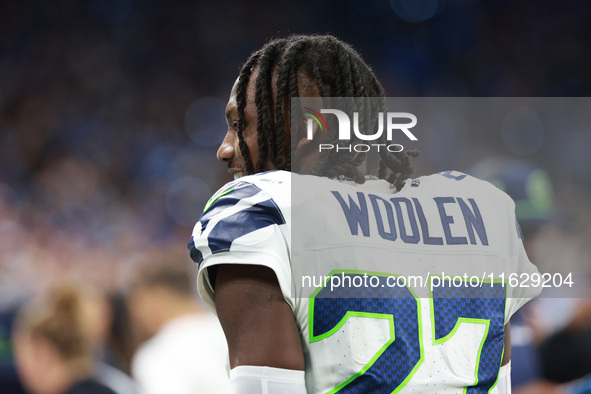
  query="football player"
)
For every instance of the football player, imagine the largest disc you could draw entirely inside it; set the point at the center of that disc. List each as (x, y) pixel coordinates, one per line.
(292, 209)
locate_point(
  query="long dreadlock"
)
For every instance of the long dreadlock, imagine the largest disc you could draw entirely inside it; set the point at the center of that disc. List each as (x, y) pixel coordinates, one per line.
(337, 70)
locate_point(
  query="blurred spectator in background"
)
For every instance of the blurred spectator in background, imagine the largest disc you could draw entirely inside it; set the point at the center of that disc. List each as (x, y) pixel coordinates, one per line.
(545, 350)
(52, 345)
(566, 355)
(121, 343)
(98, 321)
(9, 380)
(185, 350)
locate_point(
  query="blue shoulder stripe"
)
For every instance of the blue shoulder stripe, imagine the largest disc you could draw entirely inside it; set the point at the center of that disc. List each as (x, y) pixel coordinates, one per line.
(227, 199)
(195, 254)
(255, 217)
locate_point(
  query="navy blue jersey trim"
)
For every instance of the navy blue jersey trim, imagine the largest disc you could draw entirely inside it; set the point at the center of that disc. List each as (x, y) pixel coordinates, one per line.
(255, 217)
(195, 254)
(227, 199)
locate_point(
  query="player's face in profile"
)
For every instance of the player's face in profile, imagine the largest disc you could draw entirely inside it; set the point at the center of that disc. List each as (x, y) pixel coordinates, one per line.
(305, 155)
(229, 151)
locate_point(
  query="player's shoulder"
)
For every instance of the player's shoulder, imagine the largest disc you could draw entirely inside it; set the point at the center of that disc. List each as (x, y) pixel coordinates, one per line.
(268, 177)
(240, 207)
(459, 182)
(270, 183)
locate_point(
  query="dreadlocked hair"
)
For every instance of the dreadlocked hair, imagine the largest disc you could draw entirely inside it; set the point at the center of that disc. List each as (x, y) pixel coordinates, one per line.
(337, 70)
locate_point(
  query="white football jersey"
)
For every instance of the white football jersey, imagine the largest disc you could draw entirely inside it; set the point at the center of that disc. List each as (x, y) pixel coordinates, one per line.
(392, 291)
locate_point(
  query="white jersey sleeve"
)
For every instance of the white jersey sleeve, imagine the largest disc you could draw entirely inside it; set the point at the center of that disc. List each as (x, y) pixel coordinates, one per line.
(245, 222)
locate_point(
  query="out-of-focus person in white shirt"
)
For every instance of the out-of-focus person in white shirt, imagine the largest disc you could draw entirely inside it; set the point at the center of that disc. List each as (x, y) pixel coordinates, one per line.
(185, 351)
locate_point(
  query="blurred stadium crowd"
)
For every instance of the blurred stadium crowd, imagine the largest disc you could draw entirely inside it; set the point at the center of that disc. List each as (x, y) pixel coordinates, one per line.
(111, 112)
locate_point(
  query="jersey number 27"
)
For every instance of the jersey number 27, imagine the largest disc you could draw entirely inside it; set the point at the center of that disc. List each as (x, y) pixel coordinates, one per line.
(394, 365)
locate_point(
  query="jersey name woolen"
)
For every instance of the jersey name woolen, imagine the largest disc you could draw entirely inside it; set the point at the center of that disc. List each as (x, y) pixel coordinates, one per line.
(400, 218)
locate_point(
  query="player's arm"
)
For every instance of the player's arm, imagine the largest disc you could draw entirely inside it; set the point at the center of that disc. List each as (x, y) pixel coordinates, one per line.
(260, 329)
(507, 347)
